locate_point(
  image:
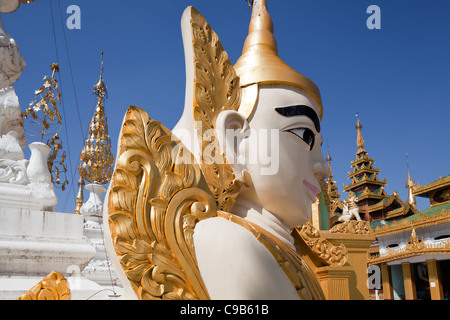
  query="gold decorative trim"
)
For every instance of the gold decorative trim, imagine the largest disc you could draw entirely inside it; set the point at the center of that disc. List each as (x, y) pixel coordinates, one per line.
(352, 227)
(362, 159)
(216, 89)
(323, 249)
(157, 195)
(442, 182)
(297, 270)
(406, 225)
(413, 248)
(365, 169)
(356, 183)
(52, 287)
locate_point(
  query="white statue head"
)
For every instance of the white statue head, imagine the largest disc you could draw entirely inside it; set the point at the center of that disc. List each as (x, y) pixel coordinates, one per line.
(278, 155)
(272, 142)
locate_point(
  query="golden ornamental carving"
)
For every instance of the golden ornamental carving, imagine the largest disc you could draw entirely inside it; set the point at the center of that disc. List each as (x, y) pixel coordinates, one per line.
(157, 195)
(421, 222)
(216, 88)
(442, 182)
(52, 287)
(412, 248)
(155, 200)
(352, 227)
(322, 248)
(297, 270)
(96, 157)
(45, 120)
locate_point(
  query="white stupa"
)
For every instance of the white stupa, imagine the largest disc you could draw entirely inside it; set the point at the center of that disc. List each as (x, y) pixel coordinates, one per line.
(34, 239)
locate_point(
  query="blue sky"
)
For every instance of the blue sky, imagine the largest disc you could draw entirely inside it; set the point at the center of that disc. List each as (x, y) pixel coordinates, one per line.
(397, 78)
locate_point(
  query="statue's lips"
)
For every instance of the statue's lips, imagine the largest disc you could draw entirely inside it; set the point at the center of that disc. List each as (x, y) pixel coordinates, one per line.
(314, 191)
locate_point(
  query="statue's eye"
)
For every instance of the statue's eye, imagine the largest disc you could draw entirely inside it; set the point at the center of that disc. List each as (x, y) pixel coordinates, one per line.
(305, 134)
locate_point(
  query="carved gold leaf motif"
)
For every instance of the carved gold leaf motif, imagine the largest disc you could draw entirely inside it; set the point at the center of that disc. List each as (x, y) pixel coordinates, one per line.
(322, 248)
(216, 88)
(154, 203)
(295, 268)
(352, 227)
(52, 287)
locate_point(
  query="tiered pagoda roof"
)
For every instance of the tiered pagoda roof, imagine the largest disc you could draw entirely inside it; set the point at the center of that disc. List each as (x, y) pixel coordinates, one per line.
(374, 203)
(437, 191)
(335, 206)
(332, 188)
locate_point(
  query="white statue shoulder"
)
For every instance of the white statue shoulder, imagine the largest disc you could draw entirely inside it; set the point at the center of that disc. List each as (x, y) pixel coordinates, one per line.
(235, 265)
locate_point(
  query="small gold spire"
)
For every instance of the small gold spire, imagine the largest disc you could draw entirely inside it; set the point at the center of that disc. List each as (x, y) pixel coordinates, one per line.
(100, 87)
(96, 157)
(260, 63)
(359, 137)
(410, 186)
(80, 199)
(333, 194)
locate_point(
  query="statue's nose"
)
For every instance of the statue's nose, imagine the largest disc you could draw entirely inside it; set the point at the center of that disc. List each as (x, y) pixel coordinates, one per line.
(320, 170)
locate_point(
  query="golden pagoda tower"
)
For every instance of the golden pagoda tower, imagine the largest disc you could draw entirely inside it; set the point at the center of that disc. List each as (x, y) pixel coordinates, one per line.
(365, 184)
(96, 158)
(332, 188)
(335, 205)
(373, 202)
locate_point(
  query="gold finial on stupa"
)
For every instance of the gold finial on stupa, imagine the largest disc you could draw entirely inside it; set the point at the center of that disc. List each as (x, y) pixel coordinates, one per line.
(100, 88)
(80, 198)
(260, 63)
(96, 157)
(359, 137)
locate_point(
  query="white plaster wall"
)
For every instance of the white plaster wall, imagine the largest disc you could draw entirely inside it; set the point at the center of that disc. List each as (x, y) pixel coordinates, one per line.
(35, 242)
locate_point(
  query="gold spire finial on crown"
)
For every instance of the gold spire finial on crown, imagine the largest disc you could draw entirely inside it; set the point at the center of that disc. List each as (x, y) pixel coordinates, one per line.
(260, 63)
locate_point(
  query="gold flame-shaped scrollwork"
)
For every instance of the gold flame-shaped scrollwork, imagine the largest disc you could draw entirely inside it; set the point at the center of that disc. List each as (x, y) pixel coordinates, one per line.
(216, 89)
(321, 248)
(52, 287)
(157, 195)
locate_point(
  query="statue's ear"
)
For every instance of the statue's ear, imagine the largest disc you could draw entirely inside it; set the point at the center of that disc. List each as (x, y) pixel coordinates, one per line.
(232, 128)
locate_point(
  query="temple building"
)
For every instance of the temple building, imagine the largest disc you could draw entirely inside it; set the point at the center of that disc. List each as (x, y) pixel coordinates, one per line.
(410, 257)
(414, 253)
(374, 204)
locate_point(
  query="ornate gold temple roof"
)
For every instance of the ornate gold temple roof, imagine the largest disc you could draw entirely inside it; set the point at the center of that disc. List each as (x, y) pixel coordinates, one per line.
(364, 174)
(373, 199)
(441, 183)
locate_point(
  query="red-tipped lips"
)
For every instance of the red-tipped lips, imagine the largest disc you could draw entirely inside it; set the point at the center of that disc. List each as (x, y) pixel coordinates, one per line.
(313, 190)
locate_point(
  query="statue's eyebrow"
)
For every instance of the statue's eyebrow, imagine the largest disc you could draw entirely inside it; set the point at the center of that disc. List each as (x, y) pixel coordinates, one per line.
(300, 110)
